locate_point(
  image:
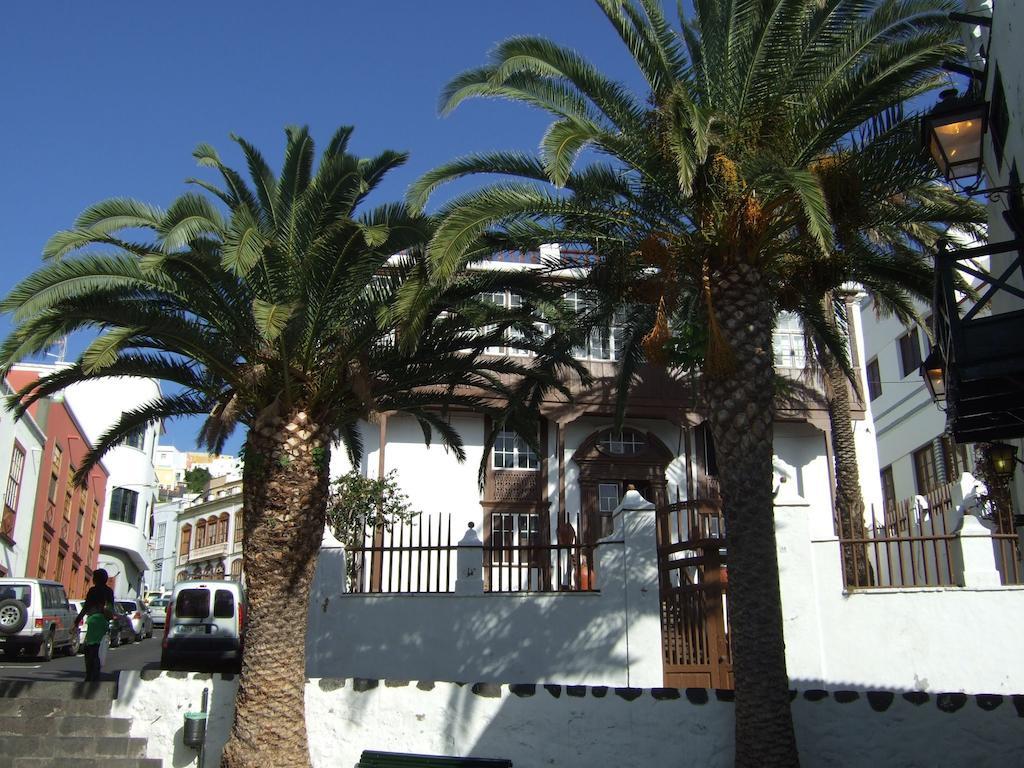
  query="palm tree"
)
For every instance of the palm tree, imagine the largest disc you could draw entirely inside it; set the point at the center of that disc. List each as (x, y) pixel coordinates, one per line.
(270, 303)
(709, 172)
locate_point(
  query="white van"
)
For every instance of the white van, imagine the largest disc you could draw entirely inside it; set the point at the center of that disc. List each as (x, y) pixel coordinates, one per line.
(205, 622)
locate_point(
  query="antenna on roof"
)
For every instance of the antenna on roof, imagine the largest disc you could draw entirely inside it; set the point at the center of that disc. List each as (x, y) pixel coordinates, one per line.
(62, 350)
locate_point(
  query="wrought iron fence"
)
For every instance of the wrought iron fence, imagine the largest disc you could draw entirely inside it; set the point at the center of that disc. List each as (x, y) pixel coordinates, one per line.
(420, 556)
(911, 546)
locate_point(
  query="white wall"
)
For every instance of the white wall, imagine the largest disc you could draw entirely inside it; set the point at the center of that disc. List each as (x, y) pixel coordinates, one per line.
(576, 726)
(14, 558)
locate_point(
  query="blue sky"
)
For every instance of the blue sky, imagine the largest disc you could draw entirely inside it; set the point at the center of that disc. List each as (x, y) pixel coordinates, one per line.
(102, 99)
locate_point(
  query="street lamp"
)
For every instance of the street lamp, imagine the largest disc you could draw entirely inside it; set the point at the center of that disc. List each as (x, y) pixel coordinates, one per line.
(952, 133)
(1003, 457)
(933, 371)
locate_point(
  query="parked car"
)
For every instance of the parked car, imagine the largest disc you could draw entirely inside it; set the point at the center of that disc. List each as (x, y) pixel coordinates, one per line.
(138, 614)
(35, 617)
(205, 622)
(121, 630)
(158, 610)
(76, 607)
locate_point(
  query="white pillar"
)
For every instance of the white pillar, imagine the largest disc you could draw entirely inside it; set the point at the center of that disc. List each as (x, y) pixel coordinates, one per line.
(470, 559)
(977, 555)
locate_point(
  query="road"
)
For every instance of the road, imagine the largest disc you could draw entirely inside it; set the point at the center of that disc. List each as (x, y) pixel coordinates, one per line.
(141, 655)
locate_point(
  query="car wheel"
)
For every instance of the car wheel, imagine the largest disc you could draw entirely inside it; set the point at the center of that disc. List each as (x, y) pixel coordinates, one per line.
(13, 616)
(139, 638)
(115, 638)
(46, 648)
(72, 648)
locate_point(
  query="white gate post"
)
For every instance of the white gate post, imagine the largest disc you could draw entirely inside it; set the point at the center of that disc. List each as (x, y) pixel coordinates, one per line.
(470, 561)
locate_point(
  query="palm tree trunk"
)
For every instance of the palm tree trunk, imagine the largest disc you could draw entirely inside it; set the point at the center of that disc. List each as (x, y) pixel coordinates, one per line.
(849, 501)
(285, 496)
(741, 410)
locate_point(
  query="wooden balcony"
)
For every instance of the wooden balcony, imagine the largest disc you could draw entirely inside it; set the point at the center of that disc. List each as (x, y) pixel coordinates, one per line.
(983, 351)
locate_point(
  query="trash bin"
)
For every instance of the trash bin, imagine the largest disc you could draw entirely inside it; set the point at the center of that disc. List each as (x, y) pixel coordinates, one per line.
(195, 729)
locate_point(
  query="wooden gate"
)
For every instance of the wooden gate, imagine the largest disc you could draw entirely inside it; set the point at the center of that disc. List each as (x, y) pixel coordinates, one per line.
(694, 605)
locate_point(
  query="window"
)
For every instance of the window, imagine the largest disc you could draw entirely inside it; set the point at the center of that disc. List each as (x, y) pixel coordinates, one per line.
(622, 442)
(186, 539)
(511, 452)
(222, 529)
(200, 534)
(926, 471)
(910, 352)
(44, 558)
(69, 493)
(238, 527)
(14, 475)
(223, 603)
(211, 531)
(1000, 118)
(955, 459)
(123, 504)
(511, 531)
(604, 343)
(874, 379)
(60, 565)
(83, 502)
(56, 463)
(136, 438)
(788, 342)
(607, 497)
(192, 604)
(236, 570)
(508, 300)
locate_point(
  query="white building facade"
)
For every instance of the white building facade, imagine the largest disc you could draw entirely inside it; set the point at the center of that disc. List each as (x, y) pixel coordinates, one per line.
(208, 534)
(21, 449)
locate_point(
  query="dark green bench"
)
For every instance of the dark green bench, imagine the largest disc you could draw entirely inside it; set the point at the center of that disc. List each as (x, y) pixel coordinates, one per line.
(371, 759)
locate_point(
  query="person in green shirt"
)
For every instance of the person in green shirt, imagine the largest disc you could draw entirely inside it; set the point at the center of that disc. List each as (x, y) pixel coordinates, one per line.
(97, 625)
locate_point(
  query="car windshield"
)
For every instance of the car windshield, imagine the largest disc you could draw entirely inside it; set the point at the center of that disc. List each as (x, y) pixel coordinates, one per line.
(159, 603)
(22, 592)
(127, 606)
(193, 604)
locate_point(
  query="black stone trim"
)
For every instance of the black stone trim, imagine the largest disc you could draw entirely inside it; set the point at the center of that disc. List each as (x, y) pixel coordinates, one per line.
(576, 691)
(329, 684)
(523, 690)
(880, 700)
(599, 691)
(629, 694)
(697, 695)
(664, 694)
(845, 697)
(363, 684)
(1018, 704)
(487, 690)
(425, 685)
(988, 701)
(815, 694)
(396, 683)
(725, 694)
(554, 690)
(917, 698)
(950, 702)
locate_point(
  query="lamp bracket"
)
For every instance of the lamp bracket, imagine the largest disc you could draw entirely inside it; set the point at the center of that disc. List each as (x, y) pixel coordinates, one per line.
(971, 18)
(992, 193)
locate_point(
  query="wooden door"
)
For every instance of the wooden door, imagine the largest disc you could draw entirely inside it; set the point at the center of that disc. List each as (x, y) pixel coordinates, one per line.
(694, 596)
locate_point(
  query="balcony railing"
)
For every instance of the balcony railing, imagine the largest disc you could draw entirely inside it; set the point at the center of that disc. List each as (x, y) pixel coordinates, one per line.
(205, 552)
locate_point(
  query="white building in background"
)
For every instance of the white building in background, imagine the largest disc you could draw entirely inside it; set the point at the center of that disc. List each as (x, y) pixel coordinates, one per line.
(208, 533)
(164, 544)
(915, 453)
(131, 487)
(171, 465)
(21, 450)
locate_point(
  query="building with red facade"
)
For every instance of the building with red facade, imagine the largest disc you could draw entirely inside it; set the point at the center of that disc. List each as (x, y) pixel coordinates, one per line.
(65, 537)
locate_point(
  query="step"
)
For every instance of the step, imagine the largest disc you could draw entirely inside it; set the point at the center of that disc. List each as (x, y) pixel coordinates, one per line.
(57, 689)
(64, 725)
(82, 762)
(54, 707)
(76, 747)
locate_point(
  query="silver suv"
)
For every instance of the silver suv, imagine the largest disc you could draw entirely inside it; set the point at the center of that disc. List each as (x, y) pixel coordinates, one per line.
(35, 617)
(205, 622)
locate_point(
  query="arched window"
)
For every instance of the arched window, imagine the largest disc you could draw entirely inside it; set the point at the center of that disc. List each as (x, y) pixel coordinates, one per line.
(186, 539)
(622, 442)
(200, 534)
(218, 572)
(211, 530)
(236, 570)
(222, 528)
(238, 527)
(182, 575)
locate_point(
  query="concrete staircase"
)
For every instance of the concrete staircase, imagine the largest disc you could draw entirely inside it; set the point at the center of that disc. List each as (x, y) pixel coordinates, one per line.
(47, 724)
